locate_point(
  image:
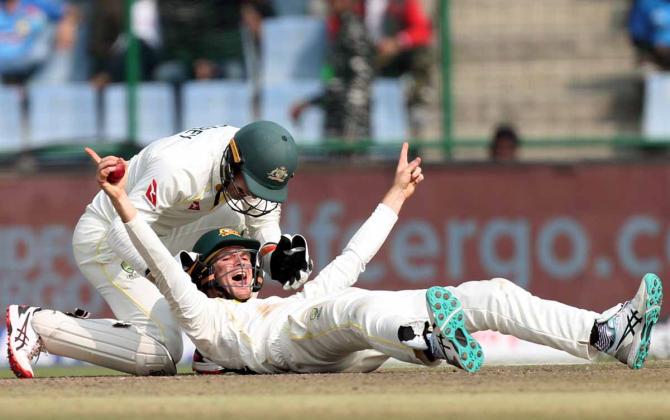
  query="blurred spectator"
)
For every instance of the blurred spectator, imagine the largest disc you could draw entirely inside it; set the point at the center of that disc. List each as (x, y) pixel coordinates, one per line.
(108, 44)
(346, 99)
(59, 67)
(32, 33)
(649, 27)
(202, 40)
(403, 35)
(504, 144)
(253, 12)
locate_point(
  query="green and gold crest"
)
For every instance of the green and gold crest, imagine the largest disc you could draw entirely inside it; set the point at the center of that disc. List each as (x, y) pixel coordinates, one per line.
(278, 174)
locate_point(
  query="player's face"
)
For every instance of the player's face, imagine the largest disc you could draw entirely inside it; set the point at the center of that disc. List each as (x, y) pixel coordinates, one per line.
(238, 189)
(233, 271)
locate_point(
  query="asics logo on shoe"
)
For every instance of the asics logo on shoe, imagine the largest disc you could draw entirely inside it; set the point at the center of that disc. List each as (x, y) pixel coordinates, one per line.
(449, 355)
(632, 321)
(22, 336)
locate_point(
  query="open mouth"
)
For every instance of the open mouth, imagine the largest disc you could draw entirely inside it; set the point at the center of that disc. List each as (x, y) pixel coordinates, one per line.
(240, 277)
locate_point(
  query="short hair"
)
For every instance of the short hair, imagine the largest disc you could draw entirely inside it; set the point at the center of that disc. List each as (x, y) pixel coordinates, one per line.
(505, 131)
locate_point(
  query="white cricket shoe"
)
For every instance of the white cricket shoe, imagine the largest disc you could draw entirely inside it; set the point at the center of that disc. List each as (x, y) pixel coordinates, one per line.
(23, 343)
(630, 323)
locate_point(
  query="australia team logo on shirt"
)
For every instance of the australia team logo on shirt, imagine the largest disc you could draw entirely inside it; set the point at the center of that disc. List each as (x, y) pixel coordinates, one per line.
(195, 205)
(131, 273)
(152, 193)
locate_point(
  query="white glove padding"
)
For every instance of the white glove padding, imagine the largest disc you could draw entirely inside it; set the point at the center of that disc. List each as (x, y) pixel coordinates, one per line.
(290, 263)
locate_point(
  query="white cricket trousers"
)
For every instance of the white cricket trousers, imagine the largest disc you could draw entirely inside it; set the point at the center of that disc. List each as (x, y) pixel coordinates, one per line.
(338, 332)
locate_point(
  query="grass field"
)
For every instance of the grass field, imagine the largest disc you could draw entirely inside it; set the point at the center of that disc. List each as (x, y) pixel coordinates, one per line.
(606, 391)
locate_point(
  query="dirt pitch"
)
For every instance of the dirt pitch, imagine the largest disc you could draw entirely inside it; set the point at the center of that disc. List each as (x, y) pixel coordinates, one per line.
(605, 391)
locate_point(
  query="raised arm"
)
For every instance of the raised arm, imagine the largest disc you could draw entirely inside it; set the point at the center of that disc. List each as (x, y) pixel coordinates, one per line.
(192, 309)
(368, 239)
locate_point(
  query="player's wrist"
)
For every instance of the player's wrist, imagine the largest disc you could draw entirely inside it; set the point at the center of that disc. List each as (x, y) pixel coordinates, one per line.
(394, 199)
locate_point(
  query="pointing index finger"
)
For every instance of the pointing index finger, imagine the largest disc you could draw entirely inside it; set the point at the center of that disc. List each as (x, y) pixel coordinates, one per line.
(94, 156)
(402, 160)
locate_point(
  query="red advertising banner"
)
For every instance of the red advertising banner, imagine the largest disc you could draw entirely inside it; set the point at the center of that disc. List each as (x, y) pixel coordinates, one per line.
(582, 234)
(37, 218)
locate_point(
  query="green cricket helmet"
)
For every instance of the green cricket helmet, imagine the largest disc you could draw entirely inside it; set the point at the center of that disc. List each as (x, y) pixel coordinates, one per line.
(212, 245)
(211, 242)
(265, 155)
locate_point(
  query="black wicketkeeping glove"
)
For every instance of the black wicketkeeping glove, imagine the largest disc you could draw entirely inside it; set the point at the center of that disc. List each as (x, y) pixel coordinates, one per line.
(198, 271)
(290, 263)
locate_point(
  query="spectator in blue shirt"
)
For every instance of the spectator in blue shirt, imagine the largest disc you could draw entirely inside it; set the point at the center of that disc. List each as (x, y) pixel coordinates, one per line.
(649, 27)
(27, 32)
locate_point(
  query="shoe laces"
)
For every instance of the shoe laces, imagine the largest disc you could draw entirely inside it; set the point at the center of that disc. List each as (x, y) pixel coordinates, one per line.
(624, 309)
(35, 351)
(624, 324)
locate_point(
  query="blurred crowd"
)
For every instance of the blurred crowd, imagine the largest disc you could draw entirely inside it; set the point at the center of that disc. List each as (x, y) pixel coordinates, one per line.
(86, 40)
(34, 33)
(83, 40)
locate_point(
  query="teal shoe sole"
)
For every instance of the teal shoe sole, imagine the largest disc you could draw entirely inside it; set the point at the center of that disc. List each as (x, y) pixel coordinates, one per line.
(654, 302)
(446, 317)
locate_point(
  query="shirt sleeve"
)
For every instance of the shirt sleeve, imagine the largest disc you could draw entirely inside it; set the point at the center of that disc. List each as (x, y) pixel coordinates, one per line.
(155, 191)
(199, 317)
(419, 30)
(344, 271)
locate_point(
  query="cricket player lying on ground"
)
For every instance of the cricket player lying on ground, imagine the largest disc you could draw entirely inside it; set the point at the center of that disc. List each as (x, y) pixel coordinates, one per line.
(184, 186)
(331, 326)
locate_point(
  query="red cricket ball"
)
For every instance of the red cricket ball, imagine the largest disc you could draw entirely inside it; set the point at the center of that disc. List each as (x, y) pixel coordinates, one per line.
(117, 174)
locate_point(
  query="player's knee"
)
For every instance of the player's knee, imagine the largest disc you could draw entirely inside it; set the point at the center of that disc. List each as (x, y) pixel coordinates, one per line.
(154, 359)
(503, 288)
(159, 357)
(501, 283)
(497, 287)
